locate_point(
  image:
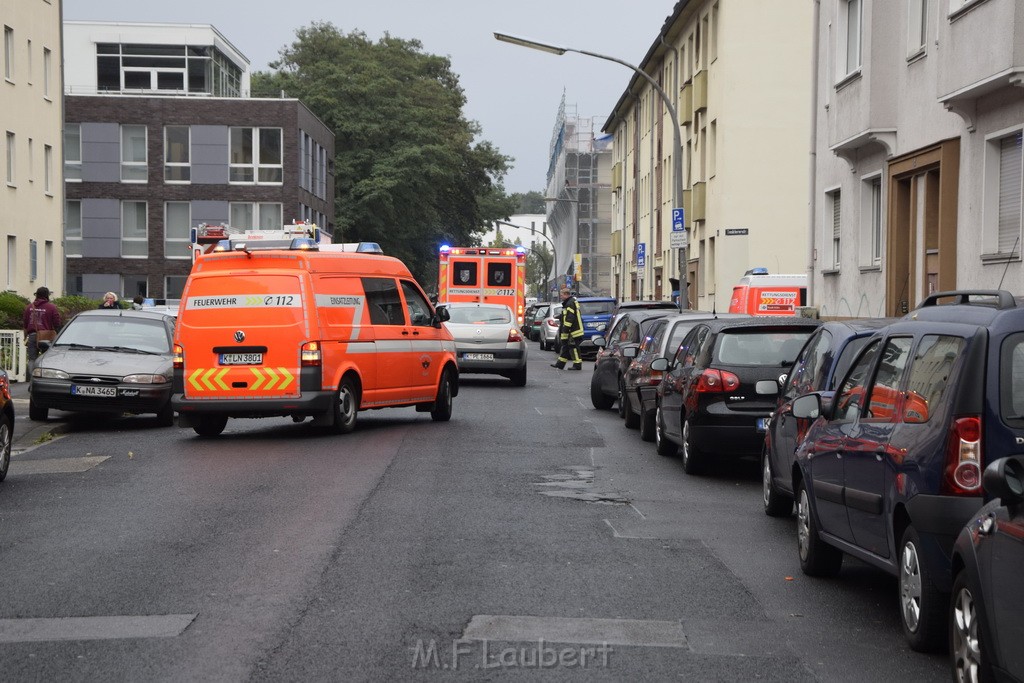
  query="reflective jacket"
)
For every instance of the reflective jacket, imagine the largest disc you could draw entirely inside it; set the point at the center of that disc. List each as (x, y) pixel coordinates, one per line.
(572, 320)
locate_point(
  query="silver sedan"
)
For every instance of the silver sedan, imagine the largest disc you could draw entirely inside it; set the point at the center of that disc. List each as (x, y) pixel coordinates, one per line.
(487, 340)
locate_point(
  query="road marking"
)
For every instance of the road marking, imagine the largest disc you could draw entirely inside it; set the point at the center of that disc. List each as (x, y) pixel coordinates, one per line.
(637, 511)
(93, 628)
(56, 465)
(638, 632)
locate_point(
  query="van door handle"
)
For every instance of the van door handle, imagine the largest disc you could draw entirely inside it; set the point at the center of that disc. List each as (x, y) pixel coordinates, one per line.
(415, 333)
(405, 332)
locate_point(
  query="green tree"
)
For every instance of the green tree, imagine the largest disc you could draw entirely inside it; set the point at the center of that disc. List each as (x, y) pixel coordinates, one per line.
(528, 202)
(409, 170)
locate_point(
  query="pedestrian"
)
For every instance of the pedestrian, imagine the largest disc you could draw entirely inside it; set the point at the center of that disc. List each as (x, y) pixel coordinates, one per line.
(137, 302)
(41, 320)
(570, 332)
(109, 301)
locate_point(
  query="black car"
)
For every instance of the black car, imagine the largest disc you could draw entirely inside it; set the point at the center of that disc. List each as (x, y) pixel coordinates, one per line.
(623, 306)
(615, 351)
(107, 361)
(986, 618)
(718, 391)
(890, 470)
(823, 361)
(6, 423)
(640, 382)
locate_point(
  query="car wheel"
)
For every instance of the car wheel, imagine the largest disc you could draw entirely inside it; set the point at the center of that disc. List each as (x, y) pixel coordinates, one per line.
(817, 558)
(165, 416)
(621, 398)
(922, 605)
(597, 397)
(966, 650)
(442, 411)
(662, 445)
(37, 412)
(210, 425)
(647, 428)
(518, 378)
(6, 438)
(346, 406)
(776, 504)
(632, 419)
(693, 460)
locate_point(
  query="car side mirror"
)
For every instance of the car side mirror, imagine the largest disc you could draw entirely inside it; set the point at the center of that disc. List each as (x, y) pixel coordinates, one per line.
(441, 314)
(660, 364)
(807, 406)
(629, 351)
(767, 387)
(1004, 479)
(42, 346)
(600, 341)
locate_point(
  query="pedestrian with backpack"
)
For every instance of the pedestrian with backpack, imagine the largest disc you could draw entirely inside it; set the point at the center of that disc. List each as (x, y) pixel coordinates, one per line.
(42, 320)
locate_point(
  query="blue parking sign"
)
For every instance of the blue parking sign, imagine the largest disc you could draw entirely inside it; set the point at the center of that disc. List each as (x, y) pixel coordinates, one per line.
(678, 220)
(641, 254)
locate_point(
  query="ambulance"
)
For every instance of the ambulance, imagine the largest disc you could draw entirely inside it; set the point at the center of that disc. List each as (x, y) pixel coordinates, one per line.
(761, 293)
(487, 275)
(302, 333)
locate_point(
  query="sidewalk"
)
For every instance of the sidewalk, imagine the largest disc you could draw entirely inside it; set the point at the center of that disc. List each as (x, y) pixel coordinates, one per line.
(29, 434)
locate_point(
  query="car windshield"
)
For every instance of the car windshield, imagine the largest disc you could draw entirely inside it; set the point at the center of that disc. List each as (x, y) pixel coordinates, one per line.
(116, 333)
(775, 348)
(480, 315)
(596, 307)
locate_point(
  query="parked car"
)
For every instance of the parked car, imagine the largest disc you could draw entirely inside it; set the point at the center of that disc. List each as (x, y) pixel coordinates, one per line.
(548, 335)
(596, 312)
(640, 382)
(616, 351)
(528, 316)
(106, 361)
(890, 470)
(986, 617)
(623, 306)
(6, 423)
(536, 321)
(488, 340)
(716, 395)
(822, 362)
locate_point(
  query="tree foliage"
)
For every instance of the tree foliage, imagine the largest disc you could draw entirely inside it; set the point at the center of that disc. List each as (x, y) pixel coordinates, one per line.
(409, 170)
(528, 202)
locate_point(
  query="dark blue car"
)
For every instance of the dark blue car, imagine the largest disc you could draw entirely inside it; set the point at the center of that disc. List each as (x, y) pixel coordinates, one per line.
(597, 313)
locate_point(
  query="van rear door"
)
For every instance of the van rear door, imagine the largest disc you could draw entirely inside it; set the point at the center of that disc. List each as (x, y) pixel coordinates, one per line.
(241, 335)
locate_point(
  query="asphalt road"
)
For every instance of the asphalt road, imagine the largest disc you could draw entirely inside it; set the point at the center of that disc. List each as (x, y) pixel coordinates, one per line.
(530, 536)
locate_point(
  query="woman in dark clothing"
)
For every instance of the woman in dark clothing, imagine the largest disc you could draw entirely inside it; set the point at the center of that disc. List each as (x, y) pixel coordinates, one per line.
(109, 301)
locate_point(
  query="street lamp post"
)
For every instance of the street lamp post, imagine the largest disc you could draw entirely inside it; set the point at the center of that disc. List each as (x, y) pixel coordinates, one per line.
(677, 142)
(554, 252)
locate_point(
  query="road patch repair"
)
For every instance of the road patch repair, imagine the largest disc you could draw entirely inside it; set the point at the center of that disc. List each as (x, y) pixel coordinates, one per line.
(576, 482)
(635, 632)
(93, 628)
(56, 465)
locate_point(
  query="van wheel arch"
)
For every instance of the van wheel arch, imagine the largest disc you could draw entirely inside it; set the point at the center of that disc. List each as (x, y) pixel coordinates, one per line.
(346, 403)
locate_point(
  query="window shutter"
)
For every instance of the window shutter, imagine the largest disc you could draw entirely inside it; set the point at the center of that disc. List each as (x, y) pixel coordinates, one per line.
(836, 206)
(1010, 160)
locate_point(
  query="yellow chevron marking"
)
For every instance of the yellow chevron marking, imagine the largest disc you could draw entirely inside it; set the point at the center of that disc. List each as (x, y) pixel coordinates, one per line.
(287, 378)
(259, 379)
(273, 378)
(254, 301)
(219, 379)
(192, 379)
(206, 379)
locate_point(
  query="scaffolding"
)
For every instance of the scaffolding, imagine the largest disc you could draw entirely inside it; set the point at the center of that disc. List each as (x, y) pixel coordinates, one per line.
(579, 179)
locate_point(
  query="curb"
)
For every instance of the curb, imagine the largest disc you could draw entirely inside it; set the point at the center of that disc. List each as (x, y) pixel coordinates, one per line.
(29, 434)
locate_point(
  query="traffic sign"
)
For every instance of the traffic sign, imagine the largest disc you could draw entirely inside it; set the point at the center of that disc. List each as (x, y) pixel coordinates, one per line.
(641, 254)
(677, 240)
(678, 220)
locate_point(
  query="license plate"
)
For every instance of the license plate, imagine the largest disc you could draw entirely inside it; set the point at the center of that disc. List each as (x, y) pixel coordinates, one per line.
(105, 392)
(762, 424)
(241, 359)
(479, 356)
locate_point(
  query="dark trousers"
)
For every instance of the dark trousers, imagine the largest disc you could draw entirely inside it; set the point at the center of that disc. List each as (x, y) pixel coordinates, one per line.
(569, 351)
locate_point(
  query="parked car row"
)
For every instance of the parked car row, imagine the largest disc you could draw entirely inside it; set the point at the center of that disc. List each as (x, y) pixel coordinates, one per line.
(889, 435)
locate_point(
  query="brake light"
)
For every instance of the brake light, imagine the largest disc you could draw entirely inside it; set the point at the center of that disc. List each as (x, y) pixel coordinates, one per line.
(310, 354)
(515, 335)
(963, 457)
(552, 322)
(717, 381)
(655, 377)
(179, 357)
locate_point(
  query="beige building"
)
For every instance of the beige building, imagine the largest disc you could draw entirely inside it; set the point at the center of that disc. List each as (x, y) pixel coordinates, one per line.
(918, 138)
(743, 97)
(31, 150)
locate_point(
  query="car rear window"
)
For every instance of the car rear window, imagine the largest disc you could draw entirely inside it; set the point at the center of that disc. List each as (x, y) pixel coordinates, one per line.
(1011, 373)
(775, 348)
(596, 307)
(480, 315)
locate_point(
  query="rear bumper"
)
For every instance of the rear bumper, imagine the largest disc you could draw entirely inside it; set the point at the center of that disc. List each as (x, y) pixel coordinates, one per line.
(312, 400)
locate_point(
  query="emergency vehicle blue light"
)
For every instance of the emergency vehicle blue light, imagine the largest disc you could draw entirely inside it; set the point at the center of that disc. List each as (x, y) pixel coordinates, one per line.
(520, 250)
(758, 271)
(445, 248)
(369, 248)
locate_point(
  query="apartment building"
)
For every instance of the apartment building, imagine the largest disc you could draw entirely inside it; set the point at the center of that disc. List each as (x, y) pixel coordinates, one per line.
(738, 76)
(31, 194)
(160, 137)
(919, 115)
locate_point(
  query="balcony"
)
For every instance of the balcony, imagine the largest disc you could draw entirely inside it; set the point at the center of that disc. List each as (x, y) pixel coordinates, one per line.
(699, 201)
(686, 104)
(700, 90)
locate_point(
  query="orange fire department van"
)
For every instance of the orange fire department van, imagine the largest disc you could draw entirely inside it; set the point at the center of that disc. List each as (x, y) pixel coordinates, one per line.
(302, 333)
(759, 293)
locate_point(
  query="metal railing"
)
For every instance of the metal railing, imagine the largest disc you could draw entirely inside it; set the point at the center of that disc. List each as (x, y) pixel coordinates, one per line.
(14, 354)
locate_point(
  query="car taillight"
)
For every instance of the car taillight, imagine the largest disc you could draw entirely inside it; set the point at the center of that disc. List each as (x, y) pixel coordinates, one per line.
(717, 381)
(552, 322)
(179, 357)
(310, 354)
(963, 457)
(655, 377)
(514, 335)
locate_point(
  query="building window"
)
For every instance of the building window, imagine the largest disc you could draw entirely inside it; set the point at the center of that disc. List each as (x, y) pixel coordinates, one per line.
(28, 62)
(872, 232)
(134, 230)
(31, 162)
(73, 153)
(33, 260)
(177, 156)
(10, 158)
(917, 26)
(834, 205)
(849, 37)
(134, 285)
(255, 156)
(251, 216)
(73, 228)
(12, 264)
(166, 68)
(8, 53)
(47, 262)
(177, 222)
(47, 169)
(133, 154)
(47, 66)
(174, 285)
(1006, 204)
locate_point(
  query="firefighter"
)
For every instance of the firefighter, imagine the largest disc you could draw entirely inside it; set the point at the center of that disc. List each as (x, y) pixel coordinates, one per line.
(570, 332)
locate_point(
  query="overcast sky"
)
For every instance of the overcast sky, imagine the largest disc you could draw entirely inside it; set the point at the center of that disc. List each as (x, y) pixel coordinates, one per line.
(512, 92)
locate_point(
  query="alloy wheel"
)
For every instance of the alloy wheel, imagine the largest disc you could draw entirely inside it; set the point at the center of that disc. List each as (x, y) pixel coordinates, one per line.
(910, 586)
(766, 480)
(803, 524)
(965, 643)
